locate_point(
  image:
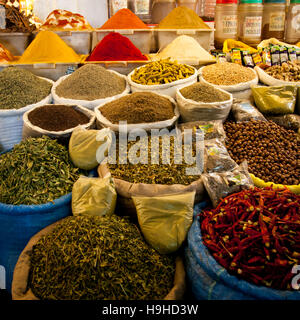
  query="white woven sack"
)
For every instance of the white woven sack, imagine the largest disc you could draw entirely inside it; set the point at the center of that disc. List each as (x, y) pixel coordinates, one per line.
(104, 122)
(30, 130)
(85, 103)
(233, 88)
(11, 123)
(191, 110)
(168, 89)
(271, 81)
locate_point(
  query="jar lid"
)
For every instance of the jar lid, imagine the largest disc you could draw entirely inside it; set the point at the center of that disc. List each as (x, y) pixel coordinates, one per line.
(295, 1)
(275, 1)
(226, 1)
(250, 1)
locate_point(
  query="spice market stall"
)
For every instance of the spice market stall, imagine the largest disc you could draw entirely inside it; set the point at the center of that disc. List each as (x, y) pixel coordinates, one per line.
(198, 198)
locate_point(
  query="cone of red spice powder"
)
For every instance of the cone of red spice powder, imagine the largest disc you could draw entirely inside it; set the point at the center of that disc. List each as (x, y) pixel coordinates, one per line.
(115, 47)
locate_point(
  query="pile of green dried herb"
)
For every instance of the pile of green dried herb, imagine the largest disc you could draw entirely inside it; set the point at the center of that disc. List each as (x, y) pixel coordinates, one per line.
(36, 171)
(91, 82)
(20, 88)
(202, 92)
(97, 258)
(167, 170)
(139, 107)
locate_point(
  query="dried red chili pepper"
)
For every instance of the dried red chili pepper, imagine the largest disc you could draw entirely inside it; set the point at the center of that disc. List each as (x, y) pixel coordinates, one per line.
(255, 234)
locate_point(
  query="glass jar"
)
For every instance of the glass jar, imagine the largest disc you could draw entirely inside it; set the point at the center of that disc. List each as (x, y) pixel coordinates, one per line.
(161, 8)
(292, 34)
(141, 8)
(273, 19)
(250, 14)
(226, 18)
(116, 5)
(192, 4)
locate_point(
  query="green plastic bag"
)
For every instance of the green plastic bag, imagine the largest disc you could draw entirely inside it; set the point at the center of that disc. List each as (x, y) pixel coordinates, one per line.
(93, 196)
(276, 99)
(165, 220)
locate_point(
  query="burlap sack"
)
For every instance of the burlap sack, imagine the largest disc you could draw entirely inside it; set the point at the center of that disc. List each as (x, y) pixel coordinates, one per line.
(125, 191)
(20, 289)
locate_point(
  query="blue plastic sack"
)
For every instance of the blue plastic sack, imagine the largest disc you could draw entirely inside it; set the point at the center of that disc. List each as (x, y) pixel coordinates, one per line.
(19, 223)
(208, 280)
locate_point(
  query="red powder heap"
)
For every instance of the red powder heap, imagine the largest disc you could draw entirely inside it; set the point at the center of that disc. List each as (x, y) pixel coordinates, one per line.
(124, 19)
(115, 47)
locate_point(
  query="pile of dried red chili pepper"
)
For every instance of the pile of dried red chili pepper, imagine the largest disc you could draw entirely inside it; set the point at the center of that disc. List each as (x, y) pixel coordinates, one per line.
(255, 235)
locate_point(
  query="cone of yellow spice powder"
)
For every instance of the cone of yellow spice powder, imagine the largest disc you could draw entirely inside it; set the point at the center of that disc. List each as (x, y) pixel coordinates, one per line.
(48, 47)
(182, 18)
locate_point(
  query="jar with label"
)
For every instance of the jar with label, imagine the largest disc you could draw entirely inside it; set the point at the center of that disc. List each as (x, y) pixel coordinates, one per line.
(225, 21)
(116, 5)
(192, 4)
(161, 8)
(292, 34)
(273, 19)
(250, 14)
(141, 8)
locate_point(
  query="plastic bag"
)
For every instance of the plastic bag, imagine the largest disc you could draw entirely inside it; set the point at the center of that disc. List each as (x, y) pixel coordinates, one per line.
(93, 197)
(273, 41)
(288, 121)
(275, 100)
(243, 110)
(211, 129)
(165, 220)
(84, 146)
(216, 157)
(230, 44)
(220, 185)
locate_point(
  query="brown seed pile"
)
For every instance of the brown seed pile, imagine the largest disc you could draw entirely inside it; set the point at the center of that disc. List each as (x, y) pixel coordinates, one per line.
(204, 92)
(272, 151)
(227, 73)
(91, 82)
(139, 107)
(57, 117)
(289, 71)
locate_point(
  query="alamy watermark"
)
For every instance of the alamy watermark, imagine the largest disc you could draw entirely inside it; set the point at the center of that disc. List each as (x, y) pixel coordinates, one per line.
(188, 148)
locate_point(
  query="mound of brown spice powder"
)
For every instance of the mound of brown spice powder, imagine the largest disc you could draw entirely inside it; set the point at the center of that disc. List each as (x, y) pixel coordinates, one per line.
(91, 82)
(57, 117)
(139, 107)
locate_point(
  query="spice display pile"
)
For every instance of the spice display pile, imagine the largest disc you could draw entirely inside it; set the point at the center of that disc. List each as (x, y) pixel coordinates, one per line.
(5, 55)
(289, 71)
(115, 47)
(91, 82)
(166, 171)
(204, 93)
(124, 19)
(20, 88)
(185, 48)
(139, 107)
(57, 117)
(182, 18)
(48, 47)
(272, 152)
(227, 73)
(255, 235)
(36, 171)
(100, 258)
(65, 20)
(161, 72)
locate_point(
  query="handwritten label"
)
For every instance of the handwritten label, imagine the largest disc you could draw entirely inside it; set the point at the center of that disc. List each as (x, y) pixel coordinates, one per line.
(252, 26)
(277, 20)
(230, 24)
